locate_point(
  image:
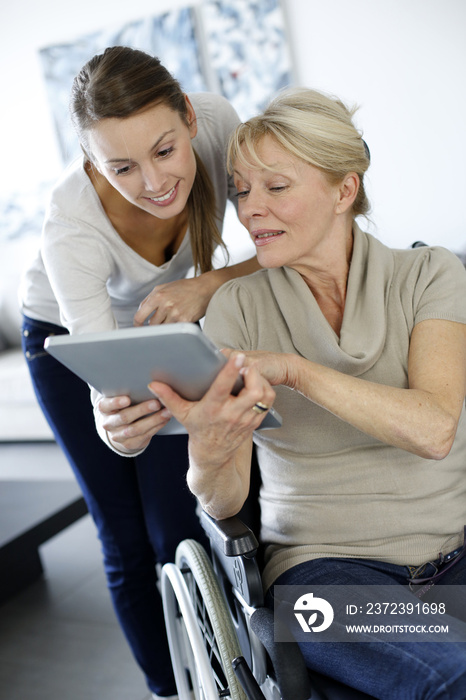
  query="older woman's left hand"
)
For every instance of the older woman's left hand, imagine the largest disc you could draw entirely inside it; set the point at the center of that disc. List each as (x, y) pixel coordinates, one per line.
(276, 367)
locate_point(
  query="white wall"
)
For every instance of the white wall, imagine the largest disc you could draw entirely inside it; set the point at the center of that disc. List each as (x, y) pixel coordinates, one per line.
(403, 61)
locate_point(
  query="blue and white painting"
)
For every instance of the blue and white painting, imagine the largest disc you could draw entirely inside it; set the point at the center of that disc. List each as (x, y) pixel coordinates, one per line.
(169, 36)
(248, 51)
(235, 47)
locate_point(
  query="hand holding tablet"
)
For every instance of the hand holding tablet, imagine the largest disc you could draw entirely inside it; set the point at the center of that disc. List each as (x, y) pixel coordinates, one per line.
(123, 362)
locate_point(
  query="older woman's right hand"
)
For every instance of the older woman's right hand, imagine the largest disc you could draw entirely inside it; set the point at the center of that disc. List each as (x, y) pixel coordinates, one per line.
(131, 428)
(220, 422)
(220, 428)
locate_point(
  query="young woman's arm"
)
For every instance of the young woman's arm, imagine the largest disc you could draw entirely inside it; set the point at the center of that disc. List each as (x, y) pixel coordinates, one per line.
(187, 299)
(78, 265)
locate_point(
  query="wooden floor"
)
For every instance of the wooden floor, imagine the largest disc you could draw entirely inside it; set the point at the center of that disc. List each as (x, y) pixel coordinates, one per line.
(59, 638)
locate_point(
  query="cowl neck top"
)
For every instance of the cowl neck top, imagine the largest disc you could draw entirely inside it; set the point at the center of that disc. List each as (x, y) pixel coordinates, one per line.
(328, 489)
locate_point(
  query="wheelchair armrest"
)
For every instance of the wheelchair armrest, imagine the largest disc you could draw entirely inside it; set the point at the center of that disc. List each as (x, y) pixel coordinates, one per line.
(233, 550)
(231, 536)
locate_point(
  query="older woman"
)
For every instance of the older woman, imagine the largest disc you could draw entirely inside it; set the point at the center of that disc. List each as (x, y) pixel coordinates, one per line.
(365, 347)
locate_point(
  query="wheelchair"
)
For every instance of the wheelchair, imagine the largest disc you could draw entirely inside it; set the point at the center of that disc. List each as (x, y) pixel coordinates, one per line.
(220, 633)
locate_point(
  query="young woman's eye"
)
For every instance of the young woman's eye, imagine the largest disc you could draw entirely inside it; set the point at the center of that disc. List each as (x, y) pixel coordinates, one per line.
(165, 152)
(122, 171)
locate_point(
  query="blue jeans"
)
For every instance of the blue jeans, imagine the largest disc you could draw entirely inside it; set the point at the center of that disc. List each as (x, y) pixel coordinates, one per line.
(384, 670)
(141, 505)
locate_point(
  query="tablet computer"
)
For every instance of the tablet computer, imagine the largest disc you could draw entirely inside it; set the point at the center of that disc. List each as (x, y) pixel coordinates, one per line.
(122, 363)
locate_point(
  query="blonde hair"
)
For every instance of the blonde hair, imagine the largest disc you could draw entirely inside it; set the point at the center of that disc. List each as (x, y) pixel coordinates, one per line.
(312, 126)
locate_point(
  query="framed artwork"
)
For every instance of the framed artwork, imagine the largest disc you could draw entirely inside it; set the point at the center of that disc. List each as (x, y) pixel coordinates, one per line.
(238, 48)
(169, 36)
(247, 51)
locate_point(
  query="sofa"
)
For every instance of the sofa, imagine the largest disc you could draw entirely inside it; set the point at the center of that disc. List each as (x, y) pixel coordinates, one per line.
(20, 416)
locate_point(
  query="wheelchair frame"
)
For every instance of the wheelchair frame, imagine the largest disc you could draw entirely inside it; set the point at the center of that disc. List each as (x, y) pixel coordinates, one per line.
(215, 618)
(220, 633)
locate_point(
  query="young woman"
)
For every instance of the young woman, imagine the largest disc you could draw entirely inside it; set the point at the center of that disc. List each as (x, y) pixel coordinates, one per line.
(365, 349)
(124, 226)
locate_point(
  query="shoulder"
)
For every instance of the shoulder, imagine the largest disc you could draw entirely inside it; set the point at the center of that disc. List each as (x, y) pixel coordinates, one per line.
(408, 264)
(242, 296)
(252, 285)
(428, 263)
(243, 310)
(256, 296)
(431, 282)
(231, 318)
(73, 177)
(74, 197)
(216, 118)
(211, 106)
(72, 186)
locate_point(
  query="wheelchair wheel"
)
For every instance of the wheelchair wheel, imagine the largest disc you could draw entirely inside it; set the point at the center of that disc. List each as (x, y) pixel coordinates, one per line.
(214, 643)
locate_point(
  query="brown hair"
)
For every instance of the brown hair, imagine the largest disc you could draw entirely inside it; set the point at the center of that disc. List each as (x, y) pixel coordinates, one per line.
(122, 81)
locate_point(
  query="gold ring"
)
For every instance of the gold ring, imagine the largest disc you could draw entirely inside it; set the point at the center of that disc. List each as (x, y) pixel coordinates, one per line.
(260, 407)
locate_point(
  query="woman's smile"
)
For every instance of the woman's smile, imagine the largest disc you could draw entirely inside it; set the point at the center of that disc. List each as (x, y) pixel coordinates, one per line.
(263, 237)
(165, 199)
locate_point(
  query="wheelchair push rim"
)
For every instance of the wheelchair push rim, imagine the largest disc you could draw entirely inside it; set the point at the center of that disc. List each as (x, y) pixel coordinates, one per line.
(202, 638)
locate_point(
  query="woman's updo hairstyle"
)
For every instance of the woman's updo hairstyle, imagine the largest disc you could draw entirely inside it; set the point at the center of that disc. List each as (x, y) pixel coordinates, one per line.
(312, 126)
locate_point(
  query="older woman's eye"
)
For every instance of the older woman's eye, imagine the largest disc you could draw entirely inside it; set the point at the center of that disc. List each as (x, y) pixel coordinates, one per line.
(277, 188)
(242, 193)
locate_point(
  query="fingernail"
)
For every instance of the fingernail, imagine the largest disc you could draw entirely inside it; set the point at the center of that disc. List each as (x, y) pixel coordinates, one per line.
(154, 405)
(166, 413)
(239, 360)
(152, 391)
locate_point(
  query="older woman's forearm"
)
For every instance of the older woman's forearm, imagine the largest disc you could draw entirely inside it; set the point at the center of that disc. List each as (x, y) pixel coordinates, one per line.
(411, 419)
(221, 488)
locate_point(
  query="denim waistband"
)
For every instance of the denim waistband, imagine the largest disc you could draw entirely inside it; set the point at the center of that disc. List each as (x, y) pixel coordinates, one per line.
(46, 326)
(439, 566)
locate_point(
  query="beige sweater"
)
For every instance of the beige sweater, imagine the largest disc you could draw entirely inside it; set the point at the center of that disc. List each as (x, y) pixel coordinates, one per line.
(329, 489)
